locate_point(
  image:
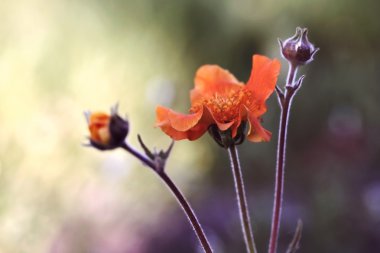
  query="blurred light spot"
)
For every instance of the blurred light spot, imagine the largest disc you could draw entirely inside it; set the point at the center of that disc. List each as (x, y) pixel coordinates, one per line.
(345, 121)
(97, 200)
(160, 91)
(371, 199)
(115, 167)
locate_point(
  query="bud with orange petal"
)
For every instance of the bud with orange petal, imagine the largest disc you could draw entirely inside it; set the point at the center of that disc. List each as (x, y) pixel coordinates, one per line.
(107, 131)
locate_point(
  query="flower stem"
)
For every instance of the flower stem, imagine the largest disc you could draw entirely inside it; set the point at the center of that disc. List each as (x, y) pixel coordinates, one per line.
(285, 104)
(177, 194)
(292, 72)
(188, 211)
(279, 185)
(145, 160)
(242, 199)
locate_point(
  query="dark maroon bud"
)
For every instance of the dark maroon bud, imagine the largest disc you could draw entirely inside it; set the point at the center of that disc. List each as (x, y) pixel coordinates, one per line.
(298, 50)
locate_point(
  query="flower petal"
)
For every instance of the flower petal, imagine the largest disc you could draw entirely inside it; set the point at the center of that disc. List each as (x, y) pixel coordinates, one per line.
(263, 77)
(99, 127)
(180, 126)
(209, 117)
(178, 121)
(238, 120)
(256, 132)
(191, 134)
(257, 108)
(224, 126)
(212, 79)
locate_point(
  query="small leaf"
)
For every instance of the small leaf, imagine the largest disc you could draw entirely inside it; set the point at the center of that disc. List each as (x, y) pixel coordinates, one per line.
(280, 95)
(157, 157)
(166, 154)
(299, 82)
(145, 148)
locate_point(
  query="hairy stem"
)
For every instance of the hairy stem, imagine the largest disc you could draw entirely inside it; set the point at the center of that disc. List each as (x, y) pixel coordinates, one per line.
(177, 194)
(242, 199)
(279, 184)
(285, 104)
(188, 211)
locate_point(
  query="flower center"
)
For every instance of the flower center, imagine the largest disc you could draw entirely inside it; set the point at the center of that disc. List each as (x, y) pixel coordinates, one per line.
(226, 107)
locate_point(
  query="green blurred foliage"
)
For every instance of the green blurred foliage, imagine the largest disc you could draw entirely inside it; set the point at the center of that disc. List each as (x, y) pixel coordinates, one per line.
(59, 58)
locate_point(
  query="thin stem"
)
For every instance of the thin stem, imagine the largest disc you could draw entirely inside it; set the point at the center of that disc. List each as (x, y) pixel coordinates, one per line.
(188, 211)
(139, 156)
(279, 185)
(292, 72)
(178, 195)
(281, 155)
(242, 199)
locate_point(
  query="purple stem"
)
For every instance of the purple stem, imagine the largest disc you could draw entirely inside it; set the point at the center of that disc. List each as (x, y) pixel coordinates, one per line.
(177, 194)
(242, 200)
(285, 103)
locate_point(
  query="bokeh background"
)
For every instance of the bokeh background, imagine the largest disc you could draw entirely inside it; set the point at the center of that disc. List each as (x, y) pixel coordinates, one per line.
(59, 58)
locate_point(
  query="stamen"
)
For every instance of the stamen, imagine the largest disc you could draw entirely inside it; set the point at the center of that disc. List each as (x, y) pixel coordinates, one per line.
(226, 107)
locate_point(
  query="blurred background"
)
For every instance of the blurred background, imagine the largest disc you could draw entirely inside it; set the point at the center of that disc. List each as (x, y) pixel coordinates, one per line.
(59, 58)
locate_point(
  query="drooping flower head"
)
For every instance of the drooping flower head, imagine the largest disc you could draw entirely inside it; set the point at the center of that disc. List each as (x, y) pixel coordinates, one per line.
(107, 131)
(219, 99)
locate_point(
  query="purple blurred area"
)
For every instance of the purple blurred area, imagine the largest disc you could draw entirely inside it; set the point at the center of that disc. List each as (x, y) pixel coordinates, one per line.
(333, 162)
(58, 197)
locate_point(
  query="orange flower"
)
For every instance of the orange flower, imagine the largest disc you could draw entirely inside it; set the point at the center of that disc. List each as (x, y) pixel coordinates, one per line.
(219, 98)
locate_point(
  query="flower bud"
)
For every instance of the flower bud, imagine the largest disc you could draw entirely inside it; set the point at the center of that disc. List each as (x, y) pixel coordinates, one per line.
(107, 131)
(298, 50)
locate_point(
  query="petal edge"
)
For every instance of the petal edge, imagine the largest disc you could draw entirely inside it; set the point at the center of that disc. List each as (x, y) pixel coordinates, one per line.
(263, 76)
(257, 133)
